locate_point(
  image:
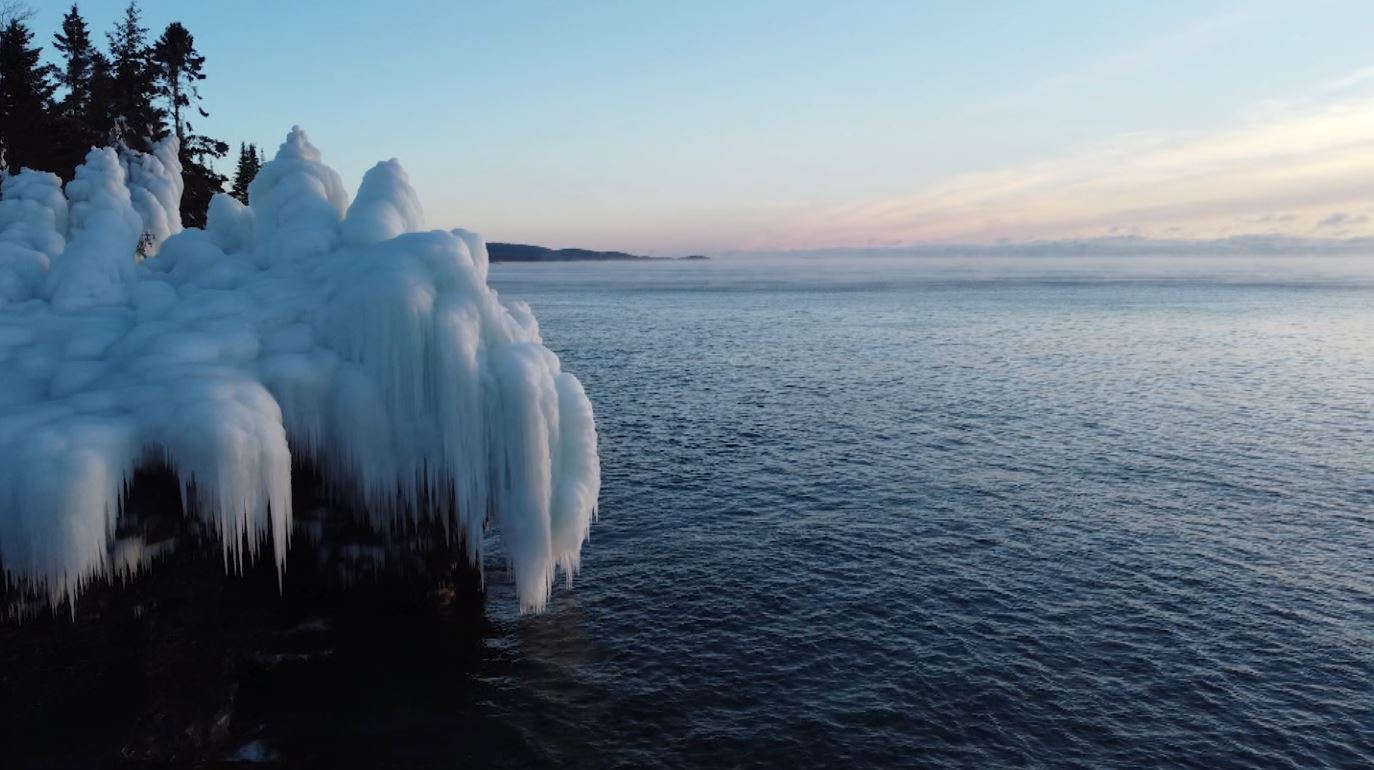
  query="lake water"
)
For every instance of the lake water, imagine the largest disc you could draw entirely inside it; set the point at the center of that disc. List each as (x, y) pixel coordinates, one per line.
(906, 512)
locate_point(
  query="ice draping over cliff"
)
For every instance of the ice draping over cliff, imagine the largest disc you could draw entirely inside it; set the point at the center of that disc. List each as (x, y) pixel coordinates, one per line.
(343, 333)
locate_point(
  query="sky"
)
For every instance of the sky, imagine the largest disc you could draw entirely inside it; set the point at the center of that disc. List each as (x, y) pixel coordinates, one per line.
(708, 127)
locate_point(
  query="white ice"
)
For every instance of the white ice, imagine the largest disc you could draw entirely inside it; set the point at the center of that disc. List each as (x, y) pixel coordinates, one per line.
(299, 325)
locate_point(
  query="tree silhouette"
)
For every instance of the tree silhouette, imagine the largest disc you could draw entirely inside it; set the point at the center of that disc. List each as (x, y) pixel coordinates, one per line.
(84, 74)
(26, 90)
(78, 55)
(250, 162)
(179, 68)
(133, 116)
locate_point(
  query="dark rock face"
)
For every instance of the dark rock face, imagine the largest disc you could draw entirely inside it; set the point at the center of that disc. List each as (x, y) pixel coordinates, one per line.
(187, 665)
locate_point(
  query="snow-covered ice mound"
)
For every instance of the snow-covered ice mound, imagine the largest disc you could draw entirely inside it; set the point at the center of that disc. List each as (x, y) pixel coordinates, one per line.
(345, 334)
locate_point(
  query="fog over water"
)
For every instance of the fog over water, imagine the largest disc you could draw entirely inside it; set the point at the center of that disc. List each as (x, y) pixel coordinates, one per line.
(999, 262)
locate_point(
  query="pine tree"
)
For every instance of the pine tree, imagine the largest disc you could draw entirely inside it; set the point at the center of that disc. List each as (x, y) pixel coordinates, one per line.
(133, 117)
(256, 159)
(99, 117)
(179, 68)
(26, 90)
(84, 74)
(250, 162)
(74, 41)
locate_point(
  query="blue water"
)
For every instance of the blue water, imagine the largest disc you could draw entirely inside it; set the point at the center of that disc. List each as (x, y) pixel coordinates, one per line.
(882, 513)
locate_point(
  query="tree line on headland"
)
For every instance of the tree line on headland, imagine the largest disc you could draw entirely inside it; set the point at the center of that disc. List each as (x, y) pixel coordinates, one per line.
(133, 93)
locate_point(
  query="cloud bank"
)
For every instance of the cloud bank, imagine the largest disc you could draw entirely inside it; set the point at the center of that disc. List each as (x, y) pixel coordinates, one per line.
(1300, 168)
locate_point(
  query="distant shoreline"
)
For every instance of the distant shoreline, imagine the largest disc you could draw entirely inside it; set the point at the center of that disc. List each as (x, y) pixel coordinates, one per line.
(519, 252)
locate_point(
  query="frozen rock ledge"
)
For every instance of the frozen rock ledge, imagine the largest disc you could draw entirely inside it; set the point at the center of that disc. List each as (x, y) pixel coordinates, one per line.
(343, 334)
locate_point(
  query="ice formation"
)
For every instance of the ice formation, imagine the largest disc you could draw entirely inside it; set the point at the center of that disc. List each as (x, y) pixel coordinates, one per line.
(300, 324)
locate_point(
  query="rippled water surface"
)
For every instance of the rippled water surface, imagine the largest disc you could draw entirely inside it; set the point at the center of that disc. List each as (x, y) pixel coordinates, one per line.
(889, 513)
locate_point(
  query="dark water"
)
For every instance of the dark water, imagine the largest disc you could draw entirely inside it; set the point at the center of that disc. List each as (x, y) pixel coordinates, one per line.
(878, 514)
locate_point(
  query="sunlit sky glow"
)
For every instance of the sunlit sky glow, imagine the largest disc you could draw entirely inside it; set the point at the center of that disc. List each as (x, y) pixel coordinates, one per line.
(716, 126)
